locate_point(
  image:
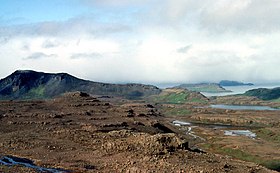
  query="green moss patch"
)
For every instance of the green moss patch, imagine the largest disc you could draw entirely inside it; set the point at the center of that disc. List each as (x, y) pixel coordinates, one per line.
(268, 134)
(177, 112)
(178, 98)
(242, 155)
(38, 93)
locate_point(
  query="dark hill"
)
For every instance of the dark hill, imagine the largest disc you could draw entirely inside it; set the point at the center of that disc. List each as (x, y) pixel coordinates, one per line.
(264, 93)
(233, 83)
(27, 84)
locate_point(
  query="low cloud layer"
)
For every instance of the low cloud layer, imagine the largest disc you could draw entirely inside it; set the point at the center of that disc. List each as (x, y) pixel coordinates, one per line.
(38, 55)
(154, 41)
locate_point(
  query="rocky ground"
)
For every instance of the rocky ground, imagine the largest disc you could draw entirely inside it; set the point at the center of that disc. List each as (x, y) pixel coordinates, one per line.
(80, 133)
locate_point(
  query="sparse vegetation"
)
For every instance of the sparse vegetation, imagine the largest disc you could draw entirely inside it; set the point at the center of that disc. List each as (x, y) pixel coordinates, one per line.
(272, 164)
(177, 112)
(173, 98)
(269, 134)
(38, 92)
(204, 87)
(264, 93)
(242, 155)
(179, 96)
(198, 100)
(239, 154)
(276, 100)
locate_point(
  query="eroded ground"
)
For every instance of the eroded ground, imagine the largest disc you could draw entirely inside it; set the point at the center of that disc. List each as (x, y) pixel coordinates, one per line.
(83, 134)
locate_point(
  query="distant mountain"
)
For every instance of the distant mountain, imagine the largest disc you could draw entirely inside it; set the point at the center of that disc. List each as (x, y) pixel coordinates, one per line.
(204, 87)
(27, 84)
(264, 93)
(233, 83)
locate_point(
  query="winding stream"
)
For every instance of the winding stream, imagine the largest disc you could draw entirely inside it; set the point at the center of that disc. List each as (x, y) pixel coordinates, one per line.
(12, 161)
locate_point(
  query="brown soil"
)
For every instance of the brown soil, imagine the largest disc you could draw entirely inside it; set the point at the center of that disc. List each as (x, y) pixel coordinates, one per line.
(83, 134)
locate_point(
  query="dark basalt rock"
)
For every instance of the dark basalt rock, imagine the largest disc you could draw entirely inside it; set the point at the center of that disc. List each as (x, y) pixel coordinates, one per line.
(27, 84)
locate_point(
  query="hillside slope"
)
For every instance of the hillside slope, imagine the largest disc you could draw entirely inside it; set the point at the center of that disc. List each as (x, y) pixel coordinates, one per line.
(82, 134)
(204, 87)
(27, 84)
(179, 96)
(264, 93)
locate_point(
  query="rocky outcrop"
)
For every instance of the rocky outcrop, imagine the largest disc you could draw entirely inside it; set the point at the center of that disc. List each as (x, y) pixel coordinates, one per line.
(148, 144)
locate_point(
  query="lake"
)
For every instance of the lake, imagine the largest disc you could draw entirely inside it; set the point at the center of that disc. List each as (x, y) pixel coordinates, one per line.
(241, 107)
(247, 133)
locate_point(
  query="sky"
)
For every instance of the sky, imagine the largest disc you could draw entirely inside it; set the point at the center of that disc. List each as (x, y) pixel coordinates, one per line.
(143, 41)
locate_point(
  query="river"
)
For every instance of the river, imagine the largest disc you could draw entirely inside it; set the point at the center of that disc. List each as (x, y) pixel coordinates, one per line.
(13, 161)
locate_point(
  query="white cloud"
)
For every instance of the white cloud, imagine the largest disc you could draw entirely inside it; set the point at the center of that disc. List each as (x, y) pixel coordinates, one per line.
(38, 55)
(241, 16)
(161, 41)
(86, 55)
(184, 49)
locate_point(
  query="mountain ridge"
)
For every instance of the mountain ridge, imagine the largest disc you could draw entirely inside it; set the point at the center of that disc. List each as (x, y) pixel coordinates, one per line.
(29, 84)
(233, 83)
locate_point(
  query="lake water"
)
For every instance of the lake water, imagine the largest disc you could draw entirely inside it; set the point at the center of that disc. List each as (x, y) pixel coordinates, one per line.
(240, 89)
(247, 133)
(239, 107)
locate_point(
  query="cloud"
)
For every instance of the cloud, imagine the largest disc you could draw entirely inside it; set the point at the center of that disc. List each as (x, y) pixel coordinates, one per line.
(69, 28)
(184, 49)
(212, 16)
(39, 55)
(225, 15)
(50, 44)
(86, 55)
(3, 40)
(149, 41)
